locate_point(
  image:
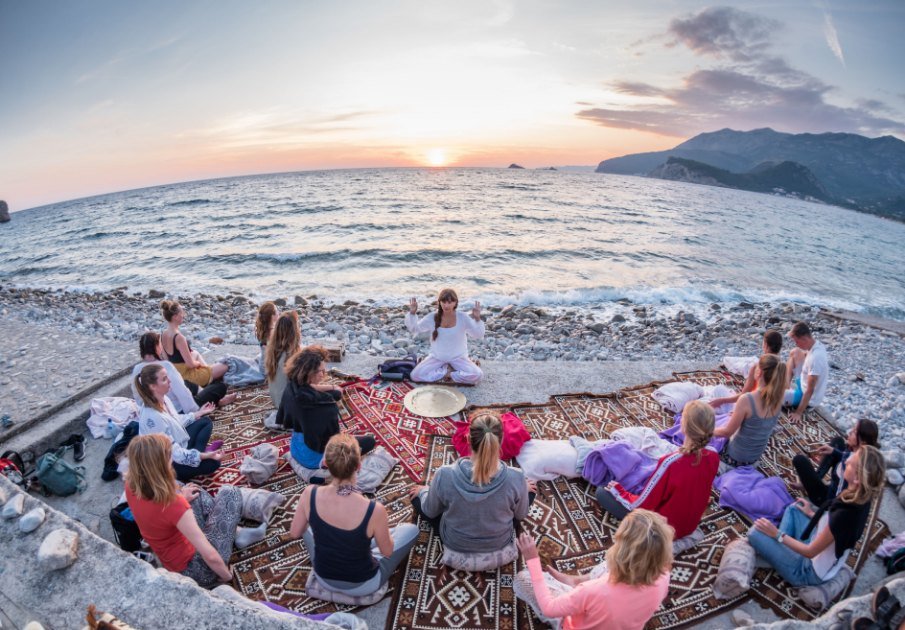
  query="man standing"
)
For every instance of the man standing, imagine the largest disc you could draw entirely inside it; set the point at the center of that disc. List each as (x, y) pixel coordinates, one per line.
(815, 372)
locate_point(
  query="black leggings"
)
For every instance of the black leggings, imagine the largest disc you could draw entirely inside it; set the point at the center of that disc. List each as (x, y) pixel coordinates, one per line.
(199, 435)
(212, 393)
(812, 479)
(611, 504)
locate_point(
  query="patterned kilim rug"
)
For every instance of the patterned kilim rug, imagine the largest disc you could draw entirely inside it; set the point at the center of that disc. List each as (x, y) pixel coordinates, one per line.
(276, 569)
(573, 533)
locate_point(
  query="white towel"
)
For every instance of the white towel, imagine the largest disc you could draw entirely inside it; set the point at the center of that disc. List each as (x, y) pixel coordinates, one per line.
(645, 440)
(739, 365)
(544, 460)
(673, 396)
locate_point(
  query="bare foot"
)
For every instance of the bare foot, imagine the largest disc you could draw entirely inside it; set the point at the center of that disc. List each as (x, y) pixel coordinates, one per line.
(228, 400)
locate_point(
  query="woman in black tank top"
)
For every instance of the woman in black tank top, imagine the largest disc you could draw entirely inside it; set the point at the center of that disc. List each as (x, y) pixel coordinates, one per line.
(338, 525)
(178, 351)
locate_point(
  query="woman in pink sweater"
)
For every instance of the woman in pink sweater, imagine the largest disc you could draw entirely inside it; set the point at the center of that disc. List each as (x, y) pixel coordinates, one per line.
(622, 593)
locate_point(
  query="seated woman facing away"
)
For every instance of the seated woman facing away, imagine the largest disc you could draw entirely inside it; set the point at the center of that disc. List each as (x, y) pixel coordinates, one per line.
(679, 488)
(772, 344)
(835, 456)
(191, 532)
(189, 363)
(755, 415)
(309, 409)
(341, 527)
(185, 395)
(285, 342)
(621, 594)
(810, 547)
(449, 350)
(475, 502)
(189, 432)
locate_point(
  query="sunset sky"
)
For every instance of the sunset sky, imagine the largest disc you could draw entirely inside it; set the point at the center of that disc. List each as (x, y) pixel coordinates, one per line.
(99, 96)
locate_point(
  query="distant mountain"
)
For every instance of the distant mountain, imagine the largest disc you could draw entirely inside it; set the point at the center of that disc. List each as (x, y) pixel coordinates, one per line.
(783, 178)
(514, 165)
(866, 174)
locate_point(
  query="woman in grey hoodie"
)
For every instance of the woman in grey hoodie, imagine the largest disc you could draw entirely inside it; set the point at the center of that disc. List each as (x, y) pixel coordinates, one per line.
(475, 502)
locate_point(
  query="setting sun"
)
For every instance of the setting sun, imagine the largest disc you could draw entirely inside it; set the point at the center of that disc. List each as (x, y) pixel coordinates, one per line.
(436, 157)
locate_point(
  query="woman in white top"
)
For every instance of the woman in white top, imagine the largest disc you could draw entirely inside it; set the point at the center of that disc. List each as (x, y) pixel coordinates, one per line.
(449, 350)
(810, 547)
(188, 434)
(185, 395)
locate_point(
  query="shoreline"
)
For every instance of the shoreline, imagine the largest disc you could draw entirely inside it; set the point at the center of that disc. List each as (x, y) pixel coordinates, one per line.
(864, 359)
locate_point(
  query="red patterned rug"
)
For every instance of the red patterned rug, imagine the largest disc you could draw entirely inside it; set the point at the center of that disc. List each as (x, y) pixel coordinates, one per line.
(573, 533)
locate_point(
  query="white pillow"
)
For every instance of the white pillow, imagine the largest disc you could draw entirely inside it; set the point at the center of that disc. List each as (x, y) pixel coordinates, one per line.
(673, 396)
(548, 459)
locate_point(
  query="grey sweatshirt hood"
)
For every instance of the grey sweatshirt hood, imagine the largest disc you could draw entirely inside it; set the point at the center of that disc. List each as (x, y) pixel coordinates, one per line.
(471, 491)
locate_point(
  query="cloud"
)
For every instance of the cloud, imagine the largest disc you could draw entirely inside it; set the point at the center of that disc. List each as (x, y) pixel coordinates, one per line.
(743, 85)
(832, 38)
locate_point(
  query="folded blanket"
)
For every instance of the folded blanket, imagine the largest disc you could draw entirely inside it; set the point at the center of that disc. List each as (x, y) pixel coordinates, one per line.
(548, 459)
(121, 411)
(583, 448)
(673, 396)
(739, 365)
(645, 440)
(745, 489)
(619, 461)
(677, 437)
(241, 372)
(260, 463)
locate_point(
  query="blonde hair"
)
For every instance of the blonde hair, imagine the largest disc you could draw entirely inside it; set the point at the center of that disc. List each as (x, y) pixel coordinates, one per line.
(286, 339)
(642, 550)
(871, 476)
(148, 376)
(698, 421)
(170, 308)
(773, 371)
(266, 312)
(151, 476)
(342, 456)
(485, 436)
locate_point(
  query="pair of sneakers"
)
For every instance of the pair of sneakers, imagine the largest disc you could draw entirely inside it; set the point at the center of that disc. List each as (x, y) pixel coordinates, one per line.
(77, 443)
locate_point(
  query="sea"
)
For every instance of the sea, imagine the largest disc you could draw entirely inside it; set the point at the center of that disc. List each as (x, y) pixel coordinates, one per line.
(556, 238)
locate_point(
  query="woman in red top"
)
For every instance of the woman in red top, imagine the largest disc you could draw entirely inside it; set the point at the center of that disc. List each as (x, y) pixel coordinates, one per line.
(195, 540)
(679, 489)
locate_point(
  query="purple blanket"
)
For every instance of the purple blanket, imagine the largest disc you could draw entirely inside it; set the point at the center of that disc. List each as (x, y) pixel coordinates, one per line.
(746, 490)
(676, 436)
(619, 461)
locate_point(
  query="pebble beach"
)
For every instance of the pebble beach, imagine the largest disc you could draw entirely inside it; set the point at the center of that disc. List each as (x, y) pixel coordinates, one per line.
(867, 363)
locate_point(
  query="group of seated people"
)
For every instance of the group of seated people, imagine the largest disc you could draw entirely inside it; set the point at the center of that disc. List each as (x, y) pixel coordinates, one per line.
(353, 549)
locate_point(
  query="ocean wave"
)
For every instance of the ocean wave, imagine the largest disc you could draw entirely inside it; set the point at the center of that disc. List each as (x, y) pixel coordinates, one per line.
(188, 202)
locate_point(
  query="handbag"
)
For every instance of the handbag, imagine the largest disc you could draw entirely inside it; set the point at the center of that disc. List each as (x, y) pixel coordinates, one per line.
(398, 369)
(58, 476)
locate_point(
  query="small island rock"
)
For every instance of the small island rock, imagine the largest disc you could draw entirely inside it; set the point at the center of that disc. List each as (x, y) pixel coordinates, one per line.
(514, 165)
(4, 212)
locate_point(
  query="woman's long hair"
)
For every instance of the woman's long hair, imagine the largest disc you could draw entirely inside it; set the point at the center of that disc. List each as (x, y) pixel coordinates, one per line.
(642, 549)
(151, 476)
(871, 476)
(147, 345)
(773, 371)
(486, 436)
(149, 375)
(445, 295)
(286, 338)
(867, 432)
(304, 363)
(264, 321)
(698, 422)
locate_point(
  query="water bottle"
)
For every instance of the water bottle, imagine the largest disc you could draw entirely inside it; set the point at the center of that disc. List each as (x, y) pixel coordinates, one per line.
(110, 432)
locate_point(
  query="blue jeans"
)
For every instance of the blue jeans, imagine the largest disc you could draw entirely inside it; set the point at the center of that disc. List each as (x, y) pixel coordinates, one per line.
(793, 567)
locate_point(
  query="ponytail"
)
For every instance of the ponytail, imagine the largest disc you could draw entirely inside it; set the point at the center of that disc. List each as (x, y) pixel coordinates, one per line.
(698, 421)
(486, 436)
(773, 371)
(148, 376)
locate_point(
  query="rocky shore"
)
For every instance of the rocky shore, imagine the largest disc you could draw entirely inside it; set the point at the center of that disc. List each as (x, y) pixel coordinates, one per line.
(865, 360)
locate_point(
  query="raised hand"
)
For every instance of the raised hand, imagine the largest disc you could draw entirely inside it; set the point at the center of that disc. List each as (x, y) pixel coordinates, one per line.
(476, 311)
(526, 546)
(413, 306)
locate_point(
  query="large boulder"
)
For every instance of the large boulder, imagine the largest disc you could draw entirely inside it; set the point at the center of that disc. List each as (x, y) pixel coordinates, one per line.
(4, 212)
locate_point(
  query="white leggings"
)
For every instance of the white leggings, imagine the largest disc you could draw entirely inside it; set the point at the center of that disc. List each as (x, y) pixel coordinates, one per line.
(431, 370)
